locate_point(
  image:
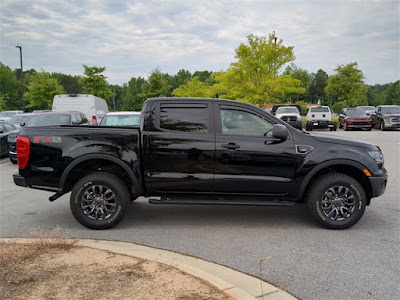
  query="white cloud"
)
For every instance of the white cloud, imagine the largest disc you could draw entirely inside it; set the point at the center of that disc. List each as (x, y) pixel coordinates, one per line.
(131, 38)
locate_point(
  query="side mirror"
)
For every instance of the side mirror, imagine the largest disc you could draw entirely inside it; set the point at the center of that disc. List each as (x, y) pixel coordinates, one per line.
(22, 124)
(280, 132)
(1, 131)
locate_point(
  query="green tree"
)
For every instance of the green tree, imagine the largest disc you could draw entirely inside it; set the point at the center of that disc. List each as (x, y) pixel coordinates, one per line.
(132, 94)
(71, 84)
(94, 82)
(2, 103)
(254, 76)
(41, 91)
(193, 88)
(299, 74)
(10, 88)
(348, 85)
(155, 86)
(316, 90)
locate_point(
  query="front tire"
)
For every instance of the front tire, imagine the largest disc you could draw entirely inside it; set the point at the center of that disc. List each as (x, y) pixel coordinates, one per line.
(336, 201)
(99, 200)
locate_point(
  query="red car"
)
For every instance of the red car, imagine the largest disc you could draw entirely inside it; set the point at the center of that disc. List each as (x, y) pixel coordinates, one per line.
(354, 118)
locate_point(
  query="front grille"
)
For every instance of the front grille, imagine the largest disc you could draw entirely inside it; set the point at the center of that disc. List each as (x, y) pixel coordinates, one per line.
(289, 119)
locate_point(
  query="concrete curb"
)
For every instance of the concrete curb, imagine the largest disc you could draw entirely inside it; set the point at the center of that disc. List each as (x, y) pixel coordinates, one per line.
(237, 284)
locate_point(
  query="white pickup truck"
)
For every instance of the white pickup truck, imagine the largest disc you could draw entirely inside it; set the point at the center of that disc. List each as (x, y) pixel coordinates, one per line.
(320, 117)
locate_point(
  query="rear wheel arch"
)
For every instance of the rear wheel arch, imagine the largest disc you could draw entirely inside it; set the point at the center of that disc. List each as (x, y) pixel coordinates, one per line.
(88, 164)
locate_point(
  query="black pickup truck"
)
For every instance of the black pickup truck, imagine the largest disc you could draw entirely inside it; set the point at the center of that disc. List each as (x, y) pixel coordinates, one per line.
(200, 151)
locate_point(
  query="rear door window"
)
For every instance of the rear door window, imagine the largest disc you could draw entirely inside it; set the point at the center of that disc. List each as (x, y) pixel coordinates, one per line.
(184, 117)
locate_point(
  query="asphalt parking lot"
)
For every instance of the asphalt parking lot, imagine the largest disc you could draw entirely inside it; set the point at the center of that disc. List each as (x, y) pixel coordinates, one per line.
(309, 262)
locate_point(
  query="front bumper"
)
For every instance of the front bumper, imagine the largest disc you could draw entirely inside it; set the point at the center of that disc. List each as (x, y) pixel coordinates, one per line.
(392, 125)
(378, 185)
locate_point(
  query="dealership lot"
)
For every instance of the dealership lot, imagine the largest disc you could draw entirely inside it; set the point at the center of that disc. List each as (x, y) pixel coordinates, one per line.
(307, 261)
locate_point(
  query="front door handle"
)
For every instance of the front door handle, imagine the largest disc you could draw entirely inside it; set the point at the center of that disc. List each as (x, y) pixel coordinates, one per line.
(230, 146)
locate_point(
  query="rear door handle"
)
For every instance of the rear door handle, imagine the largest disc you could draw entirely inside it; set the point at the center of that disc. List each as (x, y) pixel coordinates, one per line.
(230, 146)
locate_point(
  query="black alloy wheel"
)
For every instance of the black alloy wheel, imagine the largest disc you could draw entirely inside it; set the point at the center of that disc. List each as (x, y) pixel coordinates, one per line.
(99, 200)
(336, 201)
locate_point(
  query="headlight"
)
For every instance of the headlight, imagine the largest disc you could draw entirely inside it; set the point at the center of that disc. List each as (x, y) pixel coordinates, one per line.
(298, 118)
(377, 156)
(387, 119)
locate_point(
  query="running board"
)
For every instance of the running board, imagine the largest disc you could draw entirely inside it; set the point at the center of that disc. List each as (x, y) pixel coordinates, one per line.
(222, 202)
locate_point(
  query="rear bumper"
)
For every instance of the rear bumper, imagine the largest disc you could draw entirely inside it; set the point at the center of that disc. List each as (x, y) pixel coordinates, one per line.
(19, 180)
(378, 185)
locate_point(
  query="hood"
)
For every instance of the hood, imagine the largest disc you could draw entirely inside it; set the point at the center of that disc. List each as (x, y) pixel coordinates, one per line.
(390, 115)
(343, 141)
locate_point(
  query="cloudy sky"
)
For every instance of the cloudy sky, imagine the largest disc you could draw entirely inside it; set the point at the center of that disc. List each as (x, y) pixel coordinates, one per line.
(133, 37)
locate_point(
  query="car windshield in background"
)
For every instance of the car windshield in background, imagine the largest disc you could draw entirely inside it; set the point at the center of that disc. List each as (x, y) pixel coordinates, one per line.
(7, 114)
(287, 110)
(367, 108)
(49, 120)
(16, 120)
(355, 112)
(391, 110)
(319, 109)
(121, 120)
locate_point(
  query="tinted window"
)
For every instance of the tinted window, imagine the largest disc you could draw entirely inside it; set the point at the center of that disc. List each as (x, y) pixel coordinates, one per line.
(184, 118)
(49, 119)
(239, 122)
(319, 109)
(355, 112)
(9, 127)
(391, 110)
(2, 127)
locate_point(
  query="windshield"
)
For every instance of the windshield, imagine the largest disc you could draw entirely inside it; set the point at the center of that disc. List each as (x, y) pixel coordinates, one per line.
(355, 112)
(287, 110)
(367, 108)
(16, 120)
(49, 119)
(319, 109)
(120, 120)
(7, 114)
(391, 110)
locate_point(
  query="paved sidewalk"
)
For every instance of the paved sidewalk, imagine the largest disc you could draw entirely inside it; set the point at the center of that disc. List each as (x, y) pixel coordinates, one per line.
(239, 285)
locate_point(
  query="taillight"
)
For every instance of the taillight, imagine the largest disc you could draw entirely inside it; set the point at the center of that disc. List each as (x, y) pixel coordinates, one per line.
(23, 151)
(94, 120)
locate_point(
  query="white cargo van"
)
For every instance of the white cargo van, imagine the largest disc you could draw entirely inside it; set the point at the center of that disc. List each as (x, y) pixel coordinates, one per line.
(93, 107)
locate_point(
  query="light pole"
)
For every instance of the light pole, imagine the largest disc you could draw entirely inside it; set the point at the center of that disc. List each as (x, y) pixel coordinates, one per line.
(22, 73)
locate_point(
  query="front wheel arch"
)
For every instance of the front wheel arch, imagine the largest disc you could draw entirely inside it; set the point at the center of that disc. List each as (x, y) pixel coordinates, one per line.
(346, 167)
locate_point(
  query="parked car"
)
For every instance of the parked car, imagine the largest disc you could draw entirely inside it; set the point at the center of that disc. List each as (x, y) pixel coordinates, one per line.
(45, 119)
(354, 118)
(386, 117)
(5, 130)
(93, 107)
(201, 151)
(5, 116)
(121, 118)
(290, 114)
(368, 109)
(320, 117)
(19, 119)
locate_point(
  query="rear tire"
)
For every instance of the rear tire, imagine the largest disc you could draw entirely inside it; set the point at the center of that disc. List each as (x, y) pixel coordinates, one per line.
(336, 201)
(99, 200)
